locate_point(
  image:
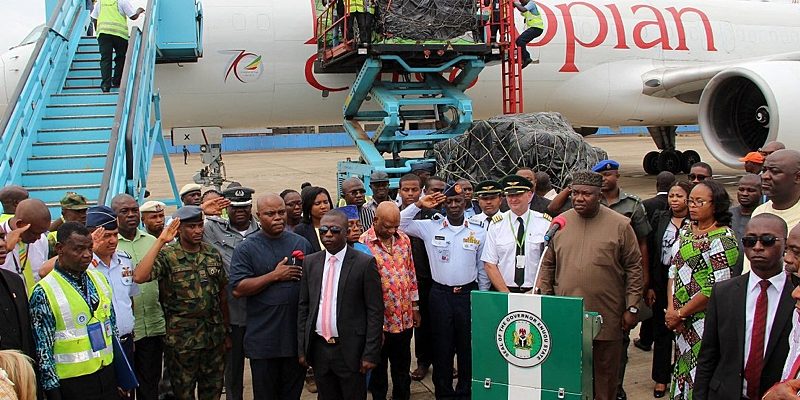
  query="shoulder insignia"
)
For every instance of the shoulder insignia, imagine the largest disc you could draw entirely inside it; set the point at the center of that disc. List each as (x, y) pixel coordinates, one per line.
(547, 217)
(497, 217)
(633, 196)
(124, 254)
(475, 220)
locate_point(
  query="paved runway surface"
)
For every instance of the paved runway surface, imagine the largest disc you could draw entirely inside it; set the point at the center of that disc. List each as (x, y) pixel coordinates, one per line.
(277, 170)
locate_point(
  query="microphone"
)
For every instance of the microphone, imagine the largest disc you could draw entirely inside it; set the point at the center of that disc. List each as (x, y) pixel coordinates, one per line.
(558, 223)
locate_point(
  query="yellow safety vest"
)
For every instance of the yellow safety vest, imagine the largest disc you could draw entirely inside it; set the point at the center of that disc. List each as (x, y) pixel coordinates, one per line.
(110, 21)
(358, 6)
(533, 20)
(72, 349)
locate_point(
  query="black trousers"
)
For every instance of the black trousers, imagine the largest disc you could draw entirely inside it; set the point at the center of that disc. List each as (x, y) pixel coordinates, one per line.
(422, 335)
(335, 380)
(395, 352)
(526, 37)
(101, 385)
(623, 364)
(364, 22)
(662, 341)
(117, 45)
(450, 319)
(646, 332)
(148, 355)
(126, 341)
(277, 378)
(234, 365)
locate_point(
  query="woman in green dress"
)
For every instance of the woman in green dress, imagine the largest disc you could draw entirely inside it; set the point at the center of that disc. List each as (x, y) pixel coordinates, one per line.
(708, 250)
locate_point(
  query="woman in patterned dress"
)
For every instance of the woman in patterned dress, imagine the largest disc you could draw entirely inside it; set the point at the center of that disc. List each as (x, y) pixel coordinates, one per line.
(708, 250)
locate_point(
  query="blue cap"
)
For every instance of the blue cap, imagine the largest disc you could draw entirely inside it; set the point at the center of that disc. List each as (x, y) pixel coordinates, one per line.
(189, 214)
(452, 189)
(101, 217)
(606, 165)
(350, 211)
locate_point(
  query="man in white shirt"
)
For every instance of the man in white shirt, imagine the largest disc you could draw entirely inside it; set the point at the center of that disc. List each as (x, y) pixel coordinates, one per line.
(26, 240)
(747, 323)
(515, 240)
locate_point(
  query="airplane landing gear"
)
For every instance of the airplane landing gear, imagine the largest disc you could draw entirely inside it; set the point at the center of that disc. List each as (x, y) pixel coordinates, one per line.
(668, 159)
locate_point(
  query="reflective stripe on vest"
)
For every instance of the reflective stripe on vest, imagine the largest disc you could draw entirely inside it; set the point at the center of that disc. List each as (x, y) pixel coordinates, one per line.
(533, 20)
(110, 21)
(72, 349)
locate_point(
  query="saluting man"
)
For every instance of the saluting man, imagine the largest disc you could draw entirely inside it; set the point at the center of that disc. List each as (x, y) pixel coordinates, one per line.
(515, 239)
(224, 235)
(193, 292)
(489, 194)
(454, 246)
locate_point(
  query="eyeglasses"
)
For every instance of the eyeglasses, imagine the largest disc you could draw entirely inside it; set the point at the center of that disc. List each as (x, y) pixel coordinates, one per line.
(323, 229)
(766, 240)
(696, 177)
(355, 192)
(698, 202)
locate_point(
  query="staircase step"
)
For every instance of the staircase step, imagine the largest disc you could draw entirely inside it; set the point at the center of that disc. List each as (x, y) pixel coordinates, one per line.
(83, 71)
(75, 176)
(76, 97)
(88, 121)
(89, 46)
(87, 56)
(69, 147)
(47, 163)
(49, 194)
(89, 82)
(87, 89)
(76, 109)
(94, 61)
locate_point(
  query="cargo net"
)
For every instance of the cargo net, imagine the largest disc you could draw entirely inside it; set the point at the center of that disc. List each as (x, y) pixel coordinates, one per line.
(426, 20)
(499, 146)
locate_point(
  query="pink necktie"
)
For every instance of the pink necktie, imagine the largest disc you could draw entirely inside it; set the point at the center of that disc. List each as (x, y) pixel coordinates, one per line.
(327, 299)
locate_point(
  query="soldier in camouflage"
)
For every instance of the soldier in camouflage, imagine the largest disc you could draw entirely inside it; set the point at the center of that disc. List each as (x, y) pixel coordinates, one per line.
(192, 284)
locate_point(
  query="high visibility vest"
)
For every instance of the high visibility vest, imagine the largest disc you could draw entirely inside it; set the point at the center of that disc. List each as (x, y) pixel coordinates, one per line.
(110, 21)
(72, 349)
(359, 6)
(533, 20)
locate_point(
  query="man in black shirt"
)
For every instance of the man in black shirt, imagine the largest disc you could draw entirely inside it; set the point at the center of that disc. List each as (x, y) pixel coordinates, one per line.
(15, 331)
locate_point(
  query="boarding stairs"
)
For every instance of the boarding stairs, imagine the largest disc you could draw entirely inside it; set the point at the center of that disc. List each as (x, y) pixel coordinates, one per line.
(61, 133)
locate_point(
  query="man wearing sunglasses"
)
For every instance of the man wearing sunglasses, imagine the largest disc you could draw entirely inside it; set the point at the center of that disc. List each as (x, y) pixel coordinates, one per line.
(340, 313)
(354, 193)
(454, 246)
(699, 172)
(748, 320)
(780, 182)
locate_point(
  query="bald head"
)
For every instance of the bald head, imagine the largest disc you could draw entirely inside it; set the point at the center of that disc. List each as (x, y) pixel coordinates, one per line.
(32, 212)
(387, 220)
(771, 147)
(10, 196)
(120, 200)
(271, 214)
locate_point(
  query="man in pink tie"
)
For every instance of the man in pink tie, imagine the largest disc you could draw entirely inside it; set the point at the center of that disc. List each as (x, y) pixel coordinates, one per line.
(748, 320)
(340, 314)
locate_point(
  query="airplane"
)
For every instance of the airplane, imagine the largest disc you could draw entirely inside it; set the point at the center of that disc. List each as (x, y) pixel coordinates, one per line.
(732, 66)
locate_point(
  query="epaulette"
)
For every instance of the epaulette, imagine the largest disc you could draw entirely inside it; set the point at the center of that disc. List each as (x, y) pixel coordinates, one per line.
(217, 219)
(475, 220)
(437, 217)
(497, 217)
(124, 254)
(633, 196)
(547, 217)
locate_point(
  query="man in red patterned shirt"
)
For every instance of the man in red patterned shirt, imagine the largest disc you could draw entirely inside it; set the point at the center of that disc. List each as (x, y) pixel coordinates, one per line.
(392, 251)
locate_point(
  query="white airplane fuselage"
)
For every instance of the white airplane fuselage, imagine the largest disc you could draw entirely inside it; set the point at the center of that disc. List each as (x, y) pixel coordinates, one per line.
(591, 58)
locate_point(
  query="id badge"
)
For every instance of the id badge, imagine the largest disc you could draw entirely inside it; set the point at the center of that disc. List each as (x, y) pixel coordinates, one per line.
(96, 338)
(520, 262)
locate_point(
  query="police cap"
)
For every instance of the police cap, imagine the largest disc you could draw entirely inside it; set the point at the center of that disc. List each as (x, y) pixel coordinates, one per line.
(606, 165)
(239, 196)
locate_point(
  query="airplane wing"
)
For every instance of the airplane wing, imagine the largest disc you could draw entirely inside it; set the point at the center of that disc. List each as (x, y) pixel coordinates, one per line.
(686, 83)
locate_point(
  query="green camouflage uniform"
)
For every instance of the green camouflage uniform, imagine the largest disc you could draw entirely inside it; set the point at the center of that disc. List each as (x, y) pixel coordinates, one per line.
(189, 287)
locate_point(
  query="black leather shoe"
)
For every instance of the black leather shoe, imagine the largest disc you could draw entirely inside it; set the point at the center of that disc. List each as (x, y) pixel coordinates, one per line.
(621, 395)
(641, 346)
(105, 88)
(525, 63)
(659, 393)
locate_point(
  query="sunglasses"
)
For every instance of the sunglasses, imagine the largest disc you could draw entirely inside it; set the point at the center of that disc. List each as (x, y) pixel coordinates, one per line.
(696, 177)
(766, 240)
(323, 229)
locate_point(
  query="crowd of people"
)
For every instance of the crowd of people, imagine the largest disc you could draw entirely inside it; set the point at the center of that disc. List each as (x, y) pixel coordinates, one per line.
(329, 296)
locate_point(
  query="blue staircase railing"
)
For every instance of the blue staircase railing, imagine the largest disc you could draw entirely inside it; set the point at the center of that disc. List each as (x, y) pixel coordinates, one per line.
(43, 75)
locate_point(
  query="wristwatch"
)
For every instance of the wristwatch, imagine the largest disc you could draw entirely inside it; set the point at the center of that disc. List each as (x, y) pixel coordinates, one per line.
(633, 310)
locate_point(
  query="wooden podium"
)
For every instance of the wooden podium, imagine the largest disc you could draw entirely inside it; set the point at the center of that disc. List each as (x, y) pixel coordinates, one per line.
(531, 347)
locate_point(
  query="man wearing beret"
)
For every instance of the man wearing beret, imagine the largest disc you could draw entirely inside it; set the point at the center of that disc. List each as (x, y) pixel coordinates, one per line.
(149, 326)
(489, 194)
(194, 296)
(515, 240)
(596, 257)
(152, 215)
(454, 247)
(191, 195)
(117, 267)
(224, 235)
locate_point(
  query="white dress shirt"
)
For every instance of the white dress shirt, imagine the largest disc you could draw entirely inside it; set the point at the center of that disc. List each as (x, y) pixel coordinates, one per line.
(335, 292)
(794, 346)
(120, 276)
(501, 245)
(37, 255)
(773, 298)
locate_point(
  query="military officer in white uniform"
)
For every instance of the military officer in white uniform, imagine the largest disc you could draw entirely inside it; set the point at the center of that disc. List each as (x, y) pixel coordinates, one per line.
(515, 239)
(454, 246)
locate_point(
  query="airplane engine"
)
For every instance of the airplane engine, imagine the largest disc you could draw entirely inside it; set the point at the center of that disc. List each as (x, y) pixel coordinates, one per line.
(743, 108)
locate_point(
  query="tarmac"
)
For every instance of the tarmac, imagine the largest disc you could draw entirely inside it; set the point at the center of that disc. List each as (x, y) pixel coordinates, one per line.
(275, 171)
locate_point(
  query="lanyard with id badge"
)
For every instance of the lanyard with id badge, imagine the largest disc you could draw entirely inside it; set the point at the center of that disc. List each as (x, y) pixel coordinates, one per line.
(95, 329)
(519, 240)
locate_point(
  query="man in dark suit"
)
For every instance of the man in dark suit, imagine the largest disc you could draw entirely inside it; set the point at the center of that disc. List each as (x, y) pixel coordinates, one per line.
(340, 316)
(15, 331)
(664, 181)
(748, 320)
